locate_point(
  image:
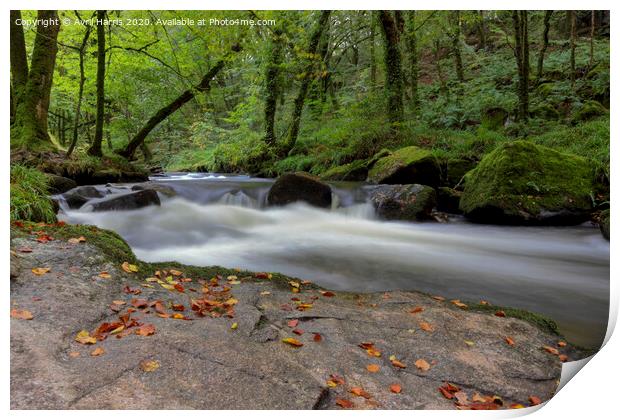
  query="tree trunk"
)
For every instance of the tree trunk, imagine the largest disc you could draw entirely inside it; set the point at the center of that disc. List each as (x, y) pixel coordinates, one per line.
(412, 42)
(305, 83)
(95, 148)
(573, 36)
(592, 31)
(78, 107)
(271, 87)
(393, 70)
(169, 109)
(482, 31)
(373, 61)
(545, 44)
(456, 46)
(30, 126)
(442, 80)
(523, 61)
(19, 60)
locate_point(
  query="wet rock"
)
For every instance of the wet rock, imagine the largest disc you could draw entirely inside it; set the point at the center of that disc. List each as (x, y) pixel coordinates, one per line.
(604, 223)
(160, 188)
(300, 186)
(403, 202)
(59, 184)
(448, 200)
(524, 183)
(409, 165)
(131, 201)
(205, 364)
(79, 196)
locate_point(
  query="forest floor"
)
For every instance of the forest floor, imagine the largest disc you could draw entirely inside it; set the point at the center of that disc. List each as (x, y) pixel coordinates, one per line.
(397, 350)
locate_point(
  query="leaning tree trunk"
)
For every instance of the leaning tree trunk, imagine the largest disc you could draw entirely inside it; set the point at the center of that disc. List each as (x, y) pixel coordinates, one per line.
(78, 107)
(392, 56)
(412, 43)
(271, 88)
(163, 113)
(30, 125)
(95, 148)
(522, 56)
(305, 83)
(545, 44)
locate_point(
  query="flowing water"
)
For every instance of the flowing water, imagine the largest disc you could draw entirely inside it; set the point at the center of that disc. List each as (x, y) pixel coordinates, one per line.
(562, 272)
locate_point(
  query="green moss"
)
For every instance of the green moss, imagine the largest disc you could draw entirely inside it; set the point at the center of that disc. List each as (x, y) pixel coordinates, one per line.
(546, 111)
(589, 110)
(524, 180)
(29, 195)
(493, 118)
(354, 171)
(387, 166)
(540, 321)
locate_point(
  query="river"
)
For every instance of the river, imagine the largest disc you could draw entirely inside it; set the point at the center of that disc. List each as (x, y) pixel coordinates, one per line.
(562, 272)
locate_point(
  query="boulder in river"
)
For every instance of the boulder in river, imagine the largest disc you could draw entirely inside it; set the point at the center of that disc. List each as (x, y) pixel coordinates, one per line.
(409, 165)
(403, 202)
(59, 184)
(131, 201)
(79, 196)
(300, 186)
(523, 183)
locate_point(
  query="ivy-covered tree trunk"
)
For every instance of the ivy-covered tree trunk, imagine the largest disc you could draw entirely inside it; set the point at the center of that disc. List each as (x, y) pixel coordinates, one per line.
(272, 86)
(19, 61)
(393, 69)
(78, 107)
(522, 56)
(163, 113)
(545, 44)
(305, 83)
(30, 125)
(95, 148)
(412, 43)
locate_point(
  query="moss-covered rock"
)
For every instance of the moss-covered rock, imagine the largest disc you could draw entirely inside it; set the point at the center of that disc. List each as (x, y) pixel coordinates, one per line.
(604, 223)
(299, 186)
(354, 171)
(448, 200)
(456, 170)
(546, 111)
(523, 183)
(409, 165)
(589, 110)
(403, 202)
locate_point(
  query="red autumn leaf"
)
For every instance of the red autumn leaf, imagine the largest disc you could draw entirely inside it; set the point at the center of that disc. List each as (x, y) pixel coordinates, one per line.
(261, 275)
(179, 288)
(356, 390)
(327, 293)
(145, 330)
(293, 323)
(426, 326)
(551, 350)
(535, 400)
(510, 341)
(396, 388)
(561, 343)
(21, 314)
(416, 310)
(563, 358)
(298, 331)
(344, 403)
(160, 308)
(317, 337)
(447, 394)
(131, 291)
(178, 307)
(139, 303)
(500, 314)
(44, 238)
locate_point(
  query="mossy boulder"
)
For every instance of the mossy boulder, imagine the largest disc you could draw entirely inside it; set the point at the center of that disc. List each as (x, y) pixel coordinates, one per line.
(494, 118)
(59, 184)
(589, 110)
(523, 183)
(409, 165)
(546, 112)
(403, 202)
(354, 171)
(456, 170)
(448, 200)
(604, 223)
(299, 186)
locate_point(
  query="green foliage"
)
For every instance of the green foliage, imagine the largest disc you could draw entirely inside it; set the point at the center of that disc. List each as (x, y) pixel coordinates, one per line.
(29, 195)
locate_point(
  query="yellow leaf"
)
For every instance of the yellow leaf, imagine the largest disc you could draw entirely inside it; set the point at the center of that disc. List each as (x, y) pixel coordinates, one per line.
(234, 326)
(332, 384)
(175, 272)
(21, 314)
(84, 337)
(105, 275)
(149, 365)
(293, 342)
(167, 286)
(294, 284)
(231, 278)
(117, 330)
(469, 343)
(178, 316)
(373, 368)
(231, 301)
(39, 271)
(129, 268)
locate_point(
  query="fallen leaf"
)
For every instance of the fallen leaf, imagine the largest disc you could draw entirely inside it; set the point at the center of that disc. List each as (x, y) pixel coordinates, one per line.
(426, 326)
(39, 271)
(262, 275)
(97, 352)
(344, 403)
(469, 343)
(478, 398)
(458, 303)
(149, 365)
(84, 337)
(316, 337)
(298, 331)
(44, 238)
(265, 293)
(131, 291)
(563, 358)
(24, 249)
(500, 314)
(551, 350)
(534, 400)
(129, 268)
(561, 343)
(77, 240)
(461, 398)
(179, 316)
(416, 310)
(21, 314)
(293, 323)
(356, 390)
(510, 341)
(439, 298)
(234, 326)
(422, 364)
(516, 405)
(396, 388)
(74, 354)
(145, 330)
(484, 303)
(105, 275)
(327, 293)
(178, 273)
(117, 329)
(293, 342)
(397, 363)
(373, 368)
(139, 303)
(178, 307)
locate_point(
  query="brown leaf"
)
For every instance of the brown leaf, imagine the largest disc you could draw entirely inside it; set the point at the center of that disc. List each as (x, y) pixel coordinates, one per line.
(356, 390)
(439, 298)
(551, 350)
(39, 271)
(509, 341)
(373, 368)
(500, 314)
(563, 358)
(139, 303)
(292, 342)
(344, 403)
(426, 326)
(398, 364)
(84, 337)
(298, 331)
(416, 310)
(317, 337)
(396, 388)
(149, 365)
(422, 364)
(461, 398)
(21, 314)
(293, 323)
(145, 330)
(105, 275)
(561, 343)
(24, 249)
(327, 293)
(74, 354)
(97, 352)
(535, 400)
(178, 307)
